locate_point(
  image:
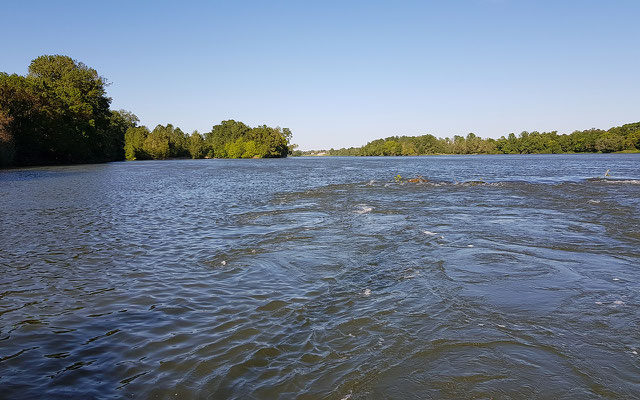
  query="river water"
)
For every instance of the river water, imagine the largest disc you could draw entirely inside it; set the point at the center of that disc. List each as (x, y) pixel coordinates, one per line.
(322, 277)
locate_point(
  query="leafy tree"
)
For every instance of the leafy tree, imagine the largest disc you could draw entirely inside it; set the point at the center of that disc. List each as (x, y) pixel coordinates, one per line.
(156, 144)
(7, 143)
(134, 139)
(250, 150)
(631, 134)
(235, 149)
(26, 124)
(234, 139)
(120, 122)
(391, 148)
(81, 108)
(58, 113)
(223, 133)
(196, 145)
(633, 140)
(609, 142)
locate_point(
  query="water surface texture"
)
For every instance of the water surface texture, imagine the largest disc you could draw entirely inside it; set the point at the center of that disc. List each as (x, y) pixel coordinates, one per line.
(313, 278)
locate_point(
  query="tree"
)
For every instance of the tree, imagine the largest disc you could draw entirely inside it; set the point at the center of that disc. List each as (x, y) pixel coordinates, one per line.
(58, 113)
(391, 148)
(250, 150)
(609, 142)
(235, 149)
(633, 140)
(7, 144)
(196, 145)
(156, 144)
(79, 99)
(25, 121)
(120, 122)
(134, 139)
(234, 139)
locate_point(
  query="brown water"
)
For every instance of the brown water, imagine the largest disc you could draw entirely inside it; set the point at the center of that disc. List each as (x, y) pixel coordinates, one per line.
(322, 278)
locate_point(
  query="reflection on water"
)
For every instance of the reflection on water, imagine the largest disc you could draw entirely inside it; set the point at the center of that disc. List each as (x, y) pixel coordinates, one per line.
(322, 278)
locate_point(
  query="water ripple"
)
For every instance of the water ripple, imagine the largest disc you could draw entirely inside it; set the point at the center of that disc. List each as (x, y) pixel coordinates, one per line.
(258, 279)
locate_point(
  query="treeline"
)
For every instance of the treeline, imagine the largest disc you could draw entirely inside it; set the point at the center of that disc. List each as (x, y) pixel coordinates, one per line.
(621, 138)
(229, 139)
(59, 113)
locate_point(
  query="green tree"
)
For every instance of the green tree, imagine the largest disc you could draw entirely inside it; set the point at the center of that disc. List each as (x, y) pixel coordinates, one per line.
(196, 145)
(250, 150)
(235, 149)
(134, 140)
(609, 142)
(78, 100)
(234, 139)
(392, 148)
(156, 144)
(120, 122)
(58, 113)
(7, 144)
(26, 124)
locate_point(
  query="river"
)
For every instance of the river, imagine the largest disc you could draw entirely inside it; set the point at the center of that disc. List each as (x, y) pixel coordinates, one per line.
(322, 277)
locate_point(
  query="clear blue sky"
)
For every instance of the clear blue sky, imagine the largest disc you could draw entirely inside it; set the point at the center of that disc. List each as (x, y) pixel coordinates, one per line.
(341, 73)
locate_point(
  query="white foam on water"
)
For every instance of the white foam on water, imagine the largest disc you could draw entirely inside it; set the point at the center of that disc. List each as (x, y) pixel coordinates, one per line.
(367, 292)
(363, 209)
(429, 233)
(618, 303)
(631, 181)
(594, 201)
(501, 326)
(223, 262)
(469, 245)
(599, 303)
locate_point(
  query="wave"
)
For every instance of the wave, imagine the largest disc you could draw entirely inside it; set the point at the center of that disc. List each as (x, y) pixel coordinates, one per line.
(363, 209)
(615, 180)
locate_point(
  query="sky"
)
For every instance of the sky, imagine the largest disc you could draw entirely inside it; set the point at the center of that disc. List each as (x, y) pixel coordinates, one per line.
(342, 73)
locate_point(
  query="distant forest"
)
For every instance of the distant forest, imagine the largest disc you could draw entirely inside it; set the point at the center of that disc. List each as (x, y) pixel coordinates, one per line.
(621, 138)
(59, 113)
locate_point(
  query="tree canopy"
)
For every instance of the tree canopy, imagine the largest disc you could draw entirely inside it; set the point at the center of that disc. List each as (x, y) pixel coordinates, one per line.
(59, 113)
(229, 139)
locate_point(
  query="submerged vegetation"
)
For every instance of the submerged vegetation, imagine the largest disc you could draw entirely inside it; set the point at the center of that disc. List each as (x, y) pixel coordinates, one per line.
(59, 113)
(621, 138)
